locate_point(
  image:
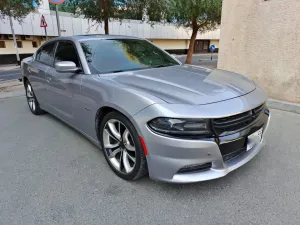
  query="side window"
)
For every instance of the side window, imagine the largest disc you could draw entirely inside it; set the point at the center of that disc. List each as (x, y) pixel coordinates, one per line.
(66, 52)
(46, 54)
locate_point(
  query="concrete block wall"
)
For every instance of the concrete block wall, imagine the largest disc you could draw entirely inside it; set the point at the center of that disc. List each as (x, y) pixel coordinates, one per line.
(261, 39)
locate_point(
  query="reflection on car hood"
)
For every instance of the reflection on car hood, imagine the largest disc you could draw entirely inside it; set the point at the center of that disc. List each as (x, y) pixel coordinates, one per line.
(185, 84)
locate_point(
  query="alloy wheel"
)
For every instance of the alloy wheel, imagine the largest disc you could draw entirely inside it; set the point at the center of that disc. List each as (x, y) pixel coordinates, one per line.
(119, 146)
(30, 98)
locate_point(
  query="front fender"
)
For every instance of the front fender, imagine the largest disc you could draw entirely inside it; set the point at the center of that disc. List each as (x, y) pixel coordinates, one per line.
(97, 93)
(129, 102)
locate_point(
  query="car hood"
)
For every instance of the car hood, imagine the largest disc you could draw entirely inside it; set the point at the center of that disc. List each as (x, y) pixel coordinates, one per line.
(185, 84)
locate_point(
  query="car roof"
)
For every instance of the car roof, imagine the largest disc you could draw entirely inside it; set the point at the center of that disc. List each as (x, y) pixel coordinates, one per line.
(93, 36)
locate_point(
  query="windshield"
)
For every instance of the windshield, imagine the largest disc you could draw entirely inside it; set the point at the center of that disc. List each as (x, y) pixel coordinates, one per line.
(118, 55)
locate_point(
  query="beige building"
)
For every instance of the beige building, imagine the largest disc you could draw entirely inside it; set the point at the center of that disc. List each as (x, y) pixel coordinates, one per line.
(261, 39)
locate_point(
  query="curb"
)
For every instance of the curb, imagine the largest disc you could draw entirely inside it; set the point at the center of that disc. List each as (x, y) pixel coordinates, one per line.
(284, 106)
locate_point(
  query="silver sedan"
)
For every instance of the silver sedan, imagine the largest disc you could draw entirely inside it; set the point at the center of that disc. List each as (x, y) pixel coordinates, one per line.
(146, 111)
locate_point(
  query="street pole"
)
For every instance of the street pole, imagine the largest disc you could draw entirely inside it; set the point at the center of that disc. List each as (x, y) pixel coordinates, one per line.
(46, 33)
(15, 41)
(57, 20)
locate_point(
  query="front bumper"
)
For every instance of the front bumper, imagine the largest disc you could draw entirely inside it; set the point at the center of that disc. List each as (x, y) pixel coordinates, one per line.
(219, 167)
(168, 155)
(176, 154)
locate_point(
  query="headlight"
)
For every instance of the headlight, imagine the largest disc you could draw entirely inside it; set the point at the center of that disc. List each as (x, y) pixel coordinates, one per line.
(180, 126)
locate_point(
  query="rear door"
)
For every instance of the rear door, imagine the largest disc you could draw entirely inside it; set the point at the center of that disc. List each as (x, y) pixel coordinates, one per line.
(37, 71)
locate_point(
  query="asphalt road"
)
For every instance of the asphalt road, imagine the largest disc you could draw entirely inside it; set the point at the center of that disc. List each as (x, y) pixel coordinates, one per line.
(50, 174)
(9, 72)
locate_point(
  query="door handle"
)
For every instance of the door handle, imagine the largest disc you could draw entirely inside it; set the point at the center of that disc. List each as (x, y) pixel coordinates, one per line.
(48, 79)
(31, 69)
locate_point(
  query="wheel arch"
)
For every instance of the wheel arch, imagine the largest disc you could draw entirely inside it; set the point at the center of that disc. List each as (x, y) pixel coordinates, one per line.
(25, 79)
(104, 110)
(137, 171)
(100, 114)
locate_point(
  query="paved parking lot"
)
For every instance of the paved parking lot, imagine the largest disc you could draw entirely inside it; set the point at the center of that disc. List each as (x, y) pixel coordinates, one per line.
(9, 72)
(50, 174)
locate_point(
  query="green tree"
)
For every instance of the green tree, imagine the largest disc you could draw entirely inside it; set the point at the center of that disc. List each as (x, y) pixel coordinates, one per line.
(17, 9)
(103, 10)
(198, 15)
(156, 10)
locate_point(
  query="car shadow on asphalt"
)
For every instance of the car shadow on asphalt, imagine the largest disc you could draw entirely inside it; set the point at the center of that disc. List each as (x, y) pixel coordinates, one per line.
(71, 129)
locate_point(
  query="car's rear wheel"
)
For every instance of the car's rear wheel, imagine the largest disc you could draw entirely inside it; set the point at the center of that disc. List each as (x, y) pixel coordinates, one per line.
(33, 104)
(121, 146)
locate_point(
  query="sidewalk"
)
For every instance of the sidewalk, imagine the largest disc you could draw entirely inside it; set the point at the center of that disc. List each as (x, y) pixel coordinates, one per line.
(284, 106)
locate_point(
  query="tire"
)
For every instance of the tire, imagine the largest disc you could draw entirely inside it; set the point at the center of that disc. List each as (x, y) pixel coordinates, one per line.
(33, 104)
(119, 140)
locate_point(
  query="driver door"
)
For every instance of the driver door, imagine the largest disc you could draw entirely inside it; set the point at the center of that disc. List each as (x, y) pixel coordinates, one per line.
(62, 87)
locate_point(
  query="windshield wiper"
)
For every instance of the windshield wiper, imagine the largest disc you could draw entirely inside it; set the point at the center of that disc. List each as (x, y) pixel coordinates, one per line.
(126, 70)
(141, 68)
(117, 71)
(163, 65)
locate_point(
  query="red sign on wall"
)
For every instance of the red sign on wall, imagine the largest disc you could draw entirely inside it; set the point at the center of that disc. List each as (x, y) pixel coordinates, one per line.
(43, 22)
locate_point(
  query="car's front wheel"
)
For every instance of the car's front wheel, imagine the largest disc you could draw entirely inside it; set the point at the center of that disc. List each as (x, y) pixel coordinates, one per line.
(121, 146)
(31, 100)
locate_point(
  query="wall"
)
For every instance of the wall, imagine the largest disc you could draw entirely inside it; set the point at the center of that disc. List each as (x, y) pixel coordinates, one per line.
(75, 26)
(215, 43)
(261, 39)
(27, 47)
(8, 54)
(44, 7)
(172, 46)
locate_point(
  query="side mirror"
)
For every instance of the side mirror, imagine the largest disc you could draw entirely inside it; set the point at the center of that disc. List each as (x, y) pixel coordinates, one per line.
(66, 67)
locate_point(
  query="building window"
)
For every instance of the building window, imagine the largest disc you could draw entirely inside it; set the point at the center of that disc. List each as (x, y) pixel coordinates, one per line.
(19, 44)
(34, 44)
(2, 44)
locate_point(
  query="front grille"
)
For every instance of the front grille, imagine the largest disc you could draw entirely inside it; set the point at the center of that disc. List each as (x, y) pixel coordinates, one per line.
(234, 154)
(195, 168)
(234, 148)
(237, 122)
